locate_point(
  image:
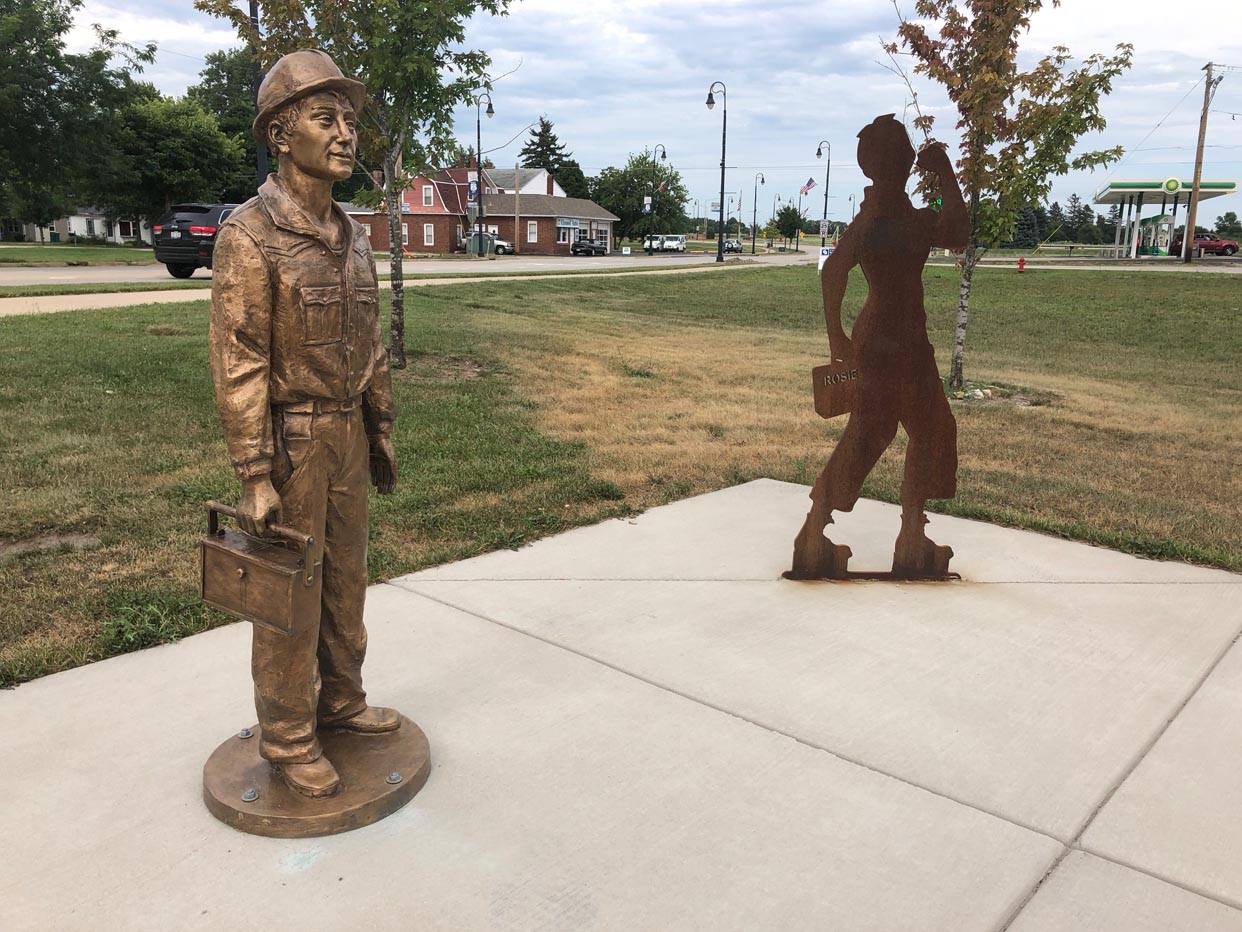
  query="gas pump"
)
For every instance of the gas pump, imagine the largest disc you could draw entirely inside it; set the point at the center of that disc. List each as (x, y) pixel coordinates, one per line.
(1155, 234)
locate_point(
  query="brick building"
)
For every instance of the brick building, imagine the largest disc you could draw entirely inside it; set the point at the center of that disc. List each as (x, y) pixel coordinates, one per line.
(546, 225)
(437, 213)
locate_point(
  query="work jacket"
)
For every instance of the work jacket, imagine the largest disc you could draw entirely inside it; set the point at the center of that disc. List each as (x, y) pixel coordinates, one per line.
(293, 321)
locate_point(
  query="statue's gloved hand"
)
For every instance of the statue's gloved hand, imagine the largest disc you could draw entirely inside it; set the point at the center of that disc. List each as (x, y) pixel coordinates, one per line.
(383, 465)
(260, 506)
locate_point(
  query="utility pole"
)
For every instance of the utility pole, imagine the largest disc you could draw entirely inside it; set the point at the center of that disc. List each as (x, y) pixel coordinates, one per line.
(1188, 238)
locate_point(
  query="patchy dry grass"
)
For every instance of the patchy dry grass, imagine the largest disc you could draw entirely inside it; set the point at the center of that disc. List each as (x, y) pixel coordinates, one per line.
(689, 385)
(533, 406)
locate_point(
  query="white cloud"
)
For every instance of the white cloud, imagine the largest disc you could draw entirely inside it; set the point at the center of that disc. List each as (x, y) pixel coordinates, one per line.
(617, 77)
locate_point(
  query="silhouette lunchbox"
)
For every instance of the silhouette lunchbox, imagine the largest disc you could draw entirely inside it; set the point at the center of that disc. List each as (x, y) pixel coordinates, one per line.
(259, 579)
(836, 386)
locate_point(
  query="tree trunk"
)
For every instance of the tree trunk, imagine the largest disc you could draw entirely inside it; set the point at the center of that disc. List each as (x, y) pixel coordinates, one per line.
(392, 197)
(969, 259)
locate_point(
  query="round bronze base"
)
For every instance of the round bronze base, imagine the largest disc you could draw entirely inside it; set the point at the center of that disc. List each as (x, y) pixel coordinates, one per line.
(379, 775)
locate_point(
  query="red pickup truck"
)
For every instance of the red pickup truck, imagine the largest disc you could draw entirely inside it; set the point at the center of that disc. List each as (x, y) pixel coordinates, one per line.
(1208, 242)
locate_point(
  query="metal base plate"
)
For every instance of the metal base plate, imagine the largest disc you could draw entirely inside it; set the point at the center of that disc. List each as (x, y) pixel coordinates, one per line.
(242, 790)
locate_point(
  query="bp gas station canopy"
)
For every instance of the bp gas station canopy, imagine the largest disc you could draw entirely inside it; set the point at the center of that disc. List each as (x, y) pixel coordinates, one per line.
(1151, 237)
(1118, 192)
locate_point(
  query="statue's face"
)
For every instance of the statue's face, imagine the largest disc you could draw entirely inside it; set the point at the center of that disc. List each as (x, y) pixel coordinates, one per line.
(323, 140)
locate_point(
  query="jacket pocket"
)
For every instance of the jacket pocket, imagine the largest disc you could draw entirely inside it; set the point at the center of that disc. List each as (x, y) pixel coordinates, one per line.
(322, 318)
(367, 297)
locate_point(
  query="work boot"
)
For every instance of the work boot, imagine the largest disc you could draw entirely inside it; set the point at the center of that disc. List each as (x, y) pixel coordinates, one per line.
(916, 557)
(816, 557)
(373, 720)
(316, 779)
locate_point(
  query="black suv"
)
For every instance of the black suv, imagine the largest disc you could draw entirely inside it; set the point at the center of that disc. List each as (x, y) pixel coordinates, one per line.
(186, 236)
(588, 247)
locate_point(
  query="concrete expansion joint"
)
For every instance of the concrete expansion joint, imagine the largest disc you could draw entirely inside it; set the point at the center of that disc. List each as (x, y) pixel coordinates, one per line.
(1075, 843)
(723, 711)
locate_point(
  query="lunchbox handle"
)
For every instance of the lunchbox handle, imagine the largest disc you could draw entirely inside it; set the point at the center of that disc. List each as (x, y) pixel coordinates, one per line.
(214, 509)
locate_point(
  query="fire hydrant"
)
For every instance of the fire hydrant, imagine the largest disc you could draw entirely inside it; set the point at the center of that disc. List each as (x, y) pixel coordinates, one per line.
(1021, 263)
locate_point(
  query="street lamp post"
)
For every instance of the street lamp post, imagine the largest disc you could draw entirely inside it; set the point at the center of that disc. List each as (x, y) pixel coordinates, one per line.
(851, 208)
(754, 214)
(724, 129)
(478, 162)
(798, 241)
(776, 199)
(655, 174)
(823, 233)
(257, 79)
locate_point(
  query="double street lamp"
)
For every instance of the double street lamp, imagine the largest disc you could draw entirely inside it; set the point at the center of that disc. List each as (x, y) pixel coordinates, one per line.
(655, 174)
(724, 128)
(478, 159)
(823, 228)
(754, 214)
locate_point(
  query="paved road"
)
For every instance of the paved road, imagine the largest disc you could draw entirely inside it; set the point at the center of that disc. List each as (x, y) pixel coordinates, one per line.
(112, 274)
(48, 304)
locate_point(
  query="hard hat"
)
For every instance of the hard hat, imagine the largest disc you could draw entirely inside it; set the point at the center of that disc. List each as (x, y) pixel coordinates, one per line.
(296, 75)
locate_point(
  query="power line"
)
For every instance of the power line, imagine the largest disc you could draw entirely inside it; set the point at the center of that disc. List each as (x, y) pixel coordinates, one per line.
(168, 51)
(1124, 158)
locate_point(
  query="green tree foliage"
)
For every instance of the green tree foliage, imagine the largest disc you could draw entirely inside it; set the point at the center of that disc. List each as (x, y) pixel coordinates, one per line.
(571, 178)
(788, 221)
(1108, 224)
(621, 190)
(1089, 234)
(1078, 216)
(55, 107)
(543, 149)
(225, 90)
(1041, 217)
(1058, 229)
(412, 57)
(164, 151)
(1017, 127)
(1227, 224)
(1026, 235)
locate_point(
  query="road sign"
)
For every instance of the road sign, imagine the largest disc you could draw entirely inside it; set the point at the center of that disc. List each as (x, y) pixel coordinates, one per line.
(823, 228)
(715, 206)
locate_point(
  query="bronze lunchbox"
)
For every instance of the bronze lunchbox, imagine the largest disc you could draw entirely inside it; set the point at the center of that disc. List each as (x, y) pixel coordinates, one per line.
(257, 579)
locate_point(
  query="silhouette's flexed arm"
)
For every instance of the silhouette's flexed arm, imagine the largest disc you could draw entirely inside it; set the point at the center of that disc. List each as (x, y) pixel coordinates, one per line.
(951, 224)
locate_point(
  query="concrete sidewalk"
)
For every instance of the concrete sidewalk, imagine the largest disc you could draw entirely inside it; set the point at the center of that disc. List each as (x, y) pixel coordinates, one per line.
(639, 725)
(48, 304)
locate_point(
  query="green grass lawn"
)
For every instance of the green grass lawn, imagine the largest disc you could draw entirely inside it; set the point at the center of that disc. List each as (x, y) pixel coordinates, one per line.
(58, 253)
(534, 406)
(35, 291)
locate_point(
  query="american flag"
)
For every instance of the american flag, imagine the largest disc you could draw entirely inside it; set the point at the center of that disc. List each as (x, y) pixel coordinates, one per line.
(662, 184)
(810, 183)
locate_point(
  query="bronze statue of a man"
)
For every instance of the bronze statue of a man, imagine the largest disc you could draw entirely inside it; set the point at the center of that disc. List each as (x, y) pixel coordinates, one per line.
(889, 351)
(304, 392)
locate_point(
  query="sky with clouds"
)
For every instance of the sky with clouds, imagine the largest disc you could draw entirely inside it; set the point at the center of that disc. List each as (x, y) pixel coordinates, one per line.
(616, 78)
